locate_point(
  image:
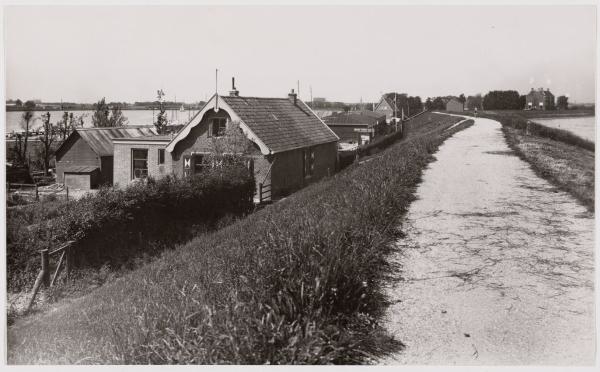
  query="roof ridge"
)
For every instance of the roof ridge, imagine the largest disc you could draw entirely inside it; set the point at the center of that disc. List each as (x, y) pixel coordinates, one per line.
(254, 97)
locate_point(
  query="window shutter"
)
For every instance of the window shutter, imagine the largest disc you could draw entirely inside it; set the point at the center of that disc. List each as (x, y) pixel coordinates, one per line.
(210, 128)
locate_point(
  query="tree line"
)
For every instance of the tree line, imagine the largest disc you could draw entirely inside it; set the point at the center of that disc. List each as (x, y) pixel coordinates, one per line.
(493, 100)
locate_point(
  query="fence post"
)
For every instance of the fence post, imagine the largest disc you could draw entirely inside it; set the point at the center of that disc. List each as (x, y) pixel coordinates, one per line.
(68, 260)
(45, 268)
(37, 194)
(67, 187)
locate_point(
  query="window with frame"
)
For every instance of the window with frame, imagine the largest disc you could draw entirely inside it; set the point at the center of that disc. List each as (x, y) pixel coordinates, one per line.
(218, 126)
(139, 163)
(200, 162)
(161, 156)
(309, 162)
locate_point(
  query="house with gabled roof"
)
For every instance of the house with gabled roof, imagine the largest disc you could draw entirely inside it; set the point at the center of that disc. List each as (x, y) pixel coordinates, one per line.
(85, 159)
(290, 145)
(388, 105)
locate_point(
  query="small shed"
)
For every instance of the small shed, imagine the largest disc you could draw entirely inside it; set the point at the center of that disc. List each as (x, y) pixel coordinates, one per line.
(93, 147)
(83, 177)
(454, 105)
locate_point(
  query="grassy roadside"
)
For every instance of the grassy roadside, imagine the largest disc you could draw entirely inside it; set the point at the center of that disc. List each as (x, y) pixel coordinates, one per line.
(300, 281)
(558, 156)
(569, 167)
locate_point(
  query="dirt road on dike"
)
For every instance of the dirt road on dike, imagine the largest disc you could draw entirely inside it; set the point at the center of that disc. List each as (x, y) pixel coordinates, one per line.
(498, 265)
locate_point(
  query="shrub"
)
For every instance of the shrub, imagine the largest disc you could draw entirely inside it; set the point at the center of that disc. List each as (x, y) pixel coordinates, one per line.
(107, 225)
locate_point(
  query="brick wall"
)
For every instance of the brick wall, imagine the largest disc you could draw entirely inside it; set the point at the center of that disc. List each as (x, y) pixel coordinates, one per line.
(196, 141)
(122, 174)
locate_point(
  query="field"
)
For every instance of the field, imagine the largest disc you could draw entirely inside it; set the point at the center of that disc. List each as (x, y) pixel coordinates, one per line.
(297, 282)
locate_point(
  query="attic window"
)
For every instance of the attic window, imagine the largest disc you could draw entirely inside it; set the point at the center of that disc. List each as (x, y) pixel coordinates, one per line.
(218, 127)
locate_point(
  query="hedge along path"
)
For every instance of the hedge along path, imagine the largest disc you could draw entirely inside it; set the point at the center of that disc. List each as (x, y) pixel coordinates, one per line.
(112, 225)
(297, 282)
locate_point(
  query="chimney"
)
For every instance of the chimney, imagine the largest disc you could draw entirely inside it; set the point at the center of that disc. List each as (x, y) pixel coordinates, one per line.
(233, 92)
(293, 97)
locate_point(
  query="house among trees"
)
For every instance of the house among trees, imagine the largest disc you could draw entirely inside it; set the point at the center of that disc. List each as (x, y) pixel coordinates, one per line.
(357, 127)
(454, 105)
(388, 105)
(85, 159)
(398, 105)
(282, 141)
(539, 100)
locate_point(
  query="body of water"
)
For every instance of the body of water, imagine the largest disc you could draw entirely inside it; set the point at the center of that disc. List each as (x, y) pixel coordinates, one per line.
(134, 117)
(583, 127)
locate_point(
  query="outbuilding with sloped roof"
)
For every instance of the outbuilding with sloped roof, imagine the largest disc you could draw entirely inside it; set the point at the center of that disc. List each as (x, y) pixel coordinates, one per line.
(85, 159)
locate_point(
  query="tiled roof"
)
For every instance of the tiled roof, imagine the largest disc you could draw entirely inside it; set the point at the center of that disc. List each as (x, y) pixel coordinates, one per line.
(354, 117)
(279, 123)
(100, 139)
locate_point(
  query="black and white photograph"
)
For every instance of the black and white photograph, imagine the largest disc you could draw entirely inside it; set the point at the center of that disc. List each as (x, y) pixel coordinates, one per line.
(378, 184)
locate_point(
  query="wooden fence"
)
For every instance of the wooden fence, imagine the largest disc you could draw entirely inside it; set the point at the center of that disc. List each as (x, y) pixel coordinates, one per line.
(43, 278)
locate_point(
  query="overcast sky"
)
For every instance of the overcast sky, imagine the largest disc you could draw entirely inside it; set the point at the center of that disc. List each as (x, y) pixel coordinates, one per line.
(126, 53)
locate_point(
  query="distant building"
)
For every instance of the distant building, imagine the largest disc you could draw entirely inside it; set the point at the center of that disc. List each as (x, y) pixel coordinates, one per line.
(388, 106)
(291, 146)
(454, 105)
(357, 127)
(539, 100)
(85, 159)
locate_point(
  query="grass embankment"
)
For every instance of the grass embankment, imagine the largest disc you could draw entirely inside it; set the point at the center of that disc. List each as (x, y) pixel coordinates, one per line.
(529, 114)
(113, 225)
(300, 281)
(562, 158)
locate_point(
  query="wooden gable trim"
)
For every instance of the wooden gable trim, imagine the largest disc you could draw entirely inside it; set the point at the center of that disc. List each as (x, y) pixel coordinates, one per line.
(217, 104)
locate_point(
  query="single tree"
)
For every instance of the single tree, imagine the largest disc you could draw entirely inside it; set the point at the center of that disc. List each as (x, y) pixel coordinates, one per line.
(18, 103)
(161, 119)
(30, 104)
(117, 119)
(428, 103)
(62, 127)
(100, 118)
(47, 139)
(562, 103)
(462, 98)
(22, 140)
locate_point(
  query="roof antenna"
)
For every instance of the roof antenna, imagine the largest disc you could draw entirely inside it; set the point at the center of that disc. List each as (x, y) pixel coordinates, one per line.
(298, 90)
(216, 92)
